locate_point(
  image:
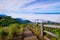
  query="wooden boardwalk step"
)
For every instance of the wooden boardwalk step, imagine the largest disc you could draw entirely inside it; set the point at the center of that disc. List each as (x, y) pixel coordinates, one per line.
(31, 38)
(28, 35)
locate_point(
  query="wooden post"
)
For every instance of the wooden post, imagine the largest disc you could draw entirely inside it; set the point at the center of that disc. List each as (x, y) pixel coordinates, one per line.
(42, 29)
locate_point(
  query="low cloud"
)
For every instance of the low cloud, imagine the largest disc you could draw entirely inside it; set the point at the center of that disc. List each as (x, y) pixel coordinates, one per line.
(33, 17)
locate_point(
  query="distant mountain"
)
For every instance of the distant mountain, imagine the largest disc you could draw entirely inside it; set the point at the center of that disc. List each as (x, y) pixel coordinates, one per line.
(22, 21)
(48, 13)
(18, 20)
(50, 22)
(2, 15)
(26, 21)
(46, 21)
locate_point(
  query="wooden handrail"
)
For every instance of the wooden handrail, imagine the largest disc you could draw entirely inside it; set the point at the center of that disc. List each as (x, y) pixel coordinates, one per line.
(50, 33)
(52, 26)
(46, 38)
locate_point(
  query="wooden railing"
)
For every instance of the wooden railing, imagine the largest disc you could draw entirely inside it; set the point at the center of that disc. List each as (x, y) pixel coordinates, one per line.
(50, 33)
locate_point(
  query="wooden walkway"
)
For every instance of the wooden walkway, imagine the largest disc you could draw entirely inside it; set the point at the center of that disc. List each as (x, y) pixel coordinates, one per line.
(28, 35)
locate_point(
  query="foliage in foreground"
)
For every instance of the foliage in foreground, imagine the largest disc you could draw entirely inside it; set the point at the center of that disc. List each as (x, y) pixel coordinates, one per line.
(11, 31)
(55, 31)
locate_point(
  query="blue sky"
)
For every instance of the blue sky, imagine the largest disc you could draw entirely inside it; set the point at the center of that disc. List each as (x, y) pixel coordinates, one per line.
(31, 9)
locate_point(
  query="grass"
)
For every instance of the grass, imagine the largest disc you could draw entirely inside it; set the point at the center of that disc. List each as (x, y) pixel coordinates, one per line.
(35, 29)
(11, 31)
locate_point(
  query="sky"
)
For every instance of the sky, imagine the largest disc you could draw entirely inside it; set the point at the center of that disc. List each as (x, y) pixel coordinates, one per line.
(31, 9)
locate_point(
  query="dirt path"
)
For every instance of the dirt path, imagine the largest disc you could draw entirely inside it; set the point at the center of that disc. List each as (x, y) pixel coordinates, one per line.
(28, 35)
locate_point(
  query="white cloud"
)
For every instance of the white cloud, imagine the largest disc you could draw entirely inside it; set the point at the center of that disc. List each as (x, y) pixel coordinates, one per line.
(33, 17)
(15, 5)
(42, 7)
(12, 4)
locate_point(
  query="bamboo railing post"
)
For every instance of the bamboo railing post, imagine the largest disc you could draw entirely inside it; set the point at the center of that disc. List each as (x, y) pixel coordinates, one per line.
(42, 27)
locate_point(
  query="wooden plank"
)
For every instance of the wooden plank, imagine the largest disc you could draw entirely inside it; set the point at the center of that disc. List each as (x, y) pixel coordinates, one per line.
(53, 35)
(31, 38)
(52, 26)
(46, 38)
